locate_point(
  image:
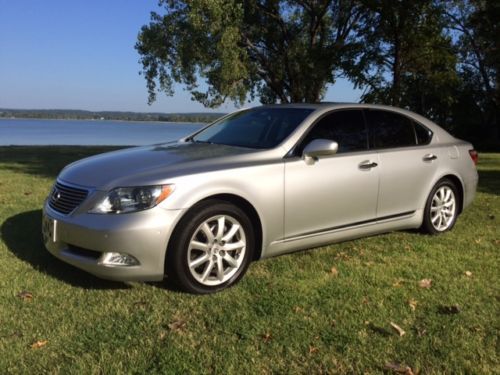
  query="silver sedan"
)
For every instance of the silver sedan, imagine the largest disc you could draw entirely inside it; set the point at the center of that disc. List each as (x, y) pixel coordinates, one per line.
(254, 184)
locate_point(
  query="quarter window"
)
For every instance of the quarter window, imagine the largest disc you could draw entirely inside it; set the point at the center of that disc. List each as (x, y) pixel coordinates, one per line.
(347, 128)
(424, 135)
(390, 129)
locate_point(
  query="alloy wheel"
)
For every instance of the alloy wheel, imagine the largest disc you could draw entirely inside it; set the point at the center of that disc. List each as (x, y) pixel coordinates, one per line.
(216, 250)
(443, 208)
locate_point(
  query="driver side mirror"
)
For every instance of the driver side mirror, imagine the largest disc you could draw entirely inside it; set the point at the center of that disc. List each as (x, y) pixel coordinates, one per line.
(319, 147)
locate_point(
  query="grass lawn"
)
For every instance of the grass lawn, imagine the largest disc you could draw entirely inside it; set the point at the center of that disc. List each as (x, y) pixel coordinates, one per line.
(328, 310)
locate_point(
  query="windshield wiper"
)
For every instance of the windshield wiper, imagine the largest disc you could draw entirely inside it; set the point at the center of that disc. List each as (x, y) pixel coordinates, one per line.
(198, 141)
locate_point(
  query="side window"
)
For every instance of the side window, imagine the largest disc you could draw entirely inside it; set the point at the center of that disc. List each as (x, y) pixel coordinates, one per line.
(423, 134)
(347, 128)
(389, 129)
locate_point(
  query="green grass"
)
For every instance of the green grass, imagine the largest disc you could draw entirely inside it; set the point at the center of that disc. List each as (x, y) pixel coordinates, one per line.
(288, 315)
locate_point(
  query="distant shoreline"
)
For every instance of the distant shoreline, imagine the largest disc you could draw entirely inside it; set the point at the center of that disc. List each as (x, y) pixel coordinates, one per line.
(70, 114)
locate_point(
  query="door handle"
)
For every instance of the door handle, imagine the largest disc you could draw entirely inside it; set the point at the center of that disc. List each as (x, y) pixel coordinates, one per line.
(430, 157)
(367, 164)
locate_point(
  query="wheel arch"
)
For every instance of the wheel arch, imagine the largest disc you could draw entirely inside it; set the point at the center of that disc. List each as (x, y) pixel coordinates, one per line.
(239, 202)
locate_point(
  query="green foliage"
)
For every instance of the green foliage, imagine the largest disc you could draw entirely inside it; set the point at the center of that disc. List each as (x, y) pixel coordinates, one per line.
(436, 57)
(477, 108)
(413, 63)
(280, 51)
(326, 310)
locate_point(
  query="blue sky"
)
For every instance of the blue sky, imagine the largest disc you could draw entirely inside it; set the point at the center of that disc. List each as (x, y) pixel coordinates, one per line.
(79, 54)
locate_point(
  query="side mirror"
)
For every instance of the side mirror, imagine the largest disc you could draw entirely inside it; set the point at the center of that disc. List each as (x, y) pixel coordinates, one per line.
(320, 147)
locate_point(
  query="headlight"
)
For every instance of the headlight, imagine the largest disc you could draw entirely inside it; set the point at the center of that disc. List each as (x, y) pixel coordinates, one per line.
(131, 199)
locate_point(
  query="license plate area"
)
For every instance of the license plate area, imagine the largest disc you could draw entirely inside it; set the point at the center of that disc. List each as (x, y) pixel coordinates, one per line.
(49, 229)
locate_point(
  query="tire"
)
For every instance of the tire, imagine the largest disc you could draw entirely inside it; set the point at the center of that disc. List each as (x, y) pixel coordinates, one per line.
(441, 208)
(211, 248)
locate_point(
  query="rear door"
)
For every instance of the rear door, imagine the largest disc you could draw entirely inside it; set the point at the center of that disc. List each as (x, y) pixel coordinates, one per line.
(407, 164)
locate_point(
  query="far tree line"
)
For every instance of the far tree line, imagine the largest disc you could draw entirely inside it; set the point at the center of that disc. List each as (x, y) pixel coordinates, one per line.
(438, 58)
(74, 114)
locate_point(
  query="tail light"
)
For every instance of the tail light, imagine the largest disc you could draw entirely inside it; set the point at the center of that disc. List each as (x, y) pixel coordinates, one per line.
(474, 156)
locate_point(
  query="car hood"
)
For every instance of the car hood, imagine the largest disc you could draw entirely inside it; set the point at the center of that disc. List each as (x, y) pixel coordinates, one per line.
(154, 164)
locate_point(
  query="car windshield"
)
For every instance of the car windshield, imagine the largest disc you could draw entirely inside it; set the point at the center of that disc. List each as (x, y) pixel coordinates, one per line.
(262, 127)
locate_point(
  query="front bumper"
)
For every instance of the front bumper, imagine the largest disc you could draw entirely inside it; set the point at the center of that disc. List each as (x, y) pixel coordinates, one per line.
(81, 239)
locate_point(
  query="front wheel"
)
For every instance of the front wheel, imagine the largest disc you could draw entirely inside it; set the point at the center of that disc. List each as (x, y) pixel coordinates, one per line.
(441, 209)
(211, 249)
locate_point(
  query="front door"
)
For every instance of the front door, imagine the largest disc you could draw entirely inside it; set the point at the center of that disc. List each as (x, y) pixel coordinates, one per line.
(334, 191)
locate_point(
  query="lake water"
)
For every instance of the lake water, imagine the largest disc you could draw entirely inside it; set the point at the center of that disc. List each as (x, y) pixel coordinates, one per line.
(22, 132)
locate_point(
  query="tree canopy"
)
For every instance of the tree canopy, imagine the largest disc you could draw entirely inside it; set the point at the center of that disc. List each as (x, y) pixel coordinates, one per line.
(435, 57)
(476, 109)
(413, 64)
(279, 51)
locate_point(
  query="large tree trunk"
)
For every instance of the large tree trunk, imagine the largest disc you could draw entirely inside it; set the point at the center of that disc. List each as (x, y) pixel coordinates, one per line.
(396, 73)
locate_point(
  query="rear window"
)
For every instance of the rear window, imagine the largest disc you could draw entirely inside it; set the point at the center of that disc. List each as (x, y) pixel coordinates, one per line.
(389, 129)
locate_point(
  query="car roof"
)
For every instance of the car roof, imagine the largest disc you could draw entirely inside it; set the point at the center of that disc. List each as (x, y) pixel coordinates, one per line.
(333, 105)
(327, 106)
(324, 107)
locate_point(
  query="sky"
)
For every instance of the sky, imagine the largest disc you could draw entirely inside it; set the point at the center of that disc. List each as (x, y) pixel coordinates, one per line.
(79, 54)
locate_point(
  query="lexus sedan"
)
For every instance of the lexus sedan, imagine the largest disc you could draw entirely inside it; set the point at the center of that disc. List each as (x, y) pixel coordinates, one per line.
(254, 184)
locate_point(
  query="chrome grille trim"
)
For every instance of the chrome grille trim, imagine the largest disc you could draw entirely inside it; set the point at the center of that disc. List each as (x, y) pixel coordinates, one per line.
(64, 198)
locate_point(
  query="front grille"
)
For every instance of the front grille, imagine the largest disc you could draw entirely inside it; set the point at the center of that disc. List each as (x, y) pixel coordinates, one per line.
(64, 198)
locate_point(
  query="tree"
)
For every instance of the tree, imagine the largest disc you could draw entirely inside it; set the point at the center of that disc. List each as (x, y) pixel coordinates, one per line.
(277, 50)
(412, 63)
(476, 24)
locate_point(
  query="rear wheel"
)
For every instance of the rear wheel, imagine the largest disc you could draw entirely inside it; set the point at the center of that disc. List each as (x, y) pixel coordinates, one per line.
(211, 249)
(441, 209)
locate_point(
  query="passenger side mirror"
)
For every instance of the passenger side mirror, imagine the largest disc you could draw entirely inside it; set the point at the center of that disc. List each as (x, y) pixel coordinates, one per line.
(319, 147)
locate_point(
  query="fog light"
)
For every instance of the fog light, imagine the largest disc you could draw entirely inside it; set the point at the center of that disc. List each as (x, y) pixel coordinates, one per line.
(118, 259)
